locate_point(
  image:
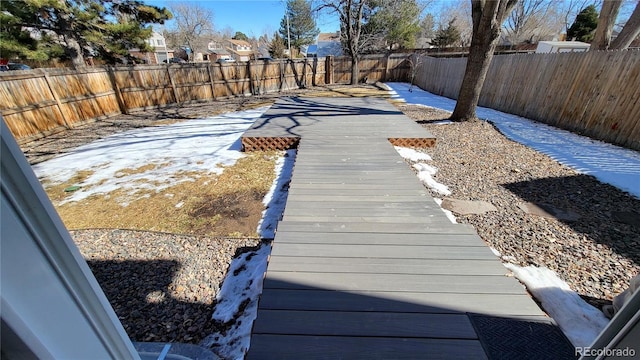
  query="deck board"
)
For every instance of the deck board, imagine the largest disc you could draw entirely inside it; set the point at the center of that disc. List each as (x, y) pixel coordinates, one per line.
(295, 347)
(383, 251)
(365, 264)
(506, 305)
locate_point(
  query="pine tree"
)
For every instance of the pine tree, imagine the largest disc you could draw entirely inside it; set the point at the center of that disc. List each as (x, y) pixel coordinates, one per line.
(396, 22)
(239, 35)
(302, 26)
(277, 46)
(584, 27)
(447, 36)
(104, 28)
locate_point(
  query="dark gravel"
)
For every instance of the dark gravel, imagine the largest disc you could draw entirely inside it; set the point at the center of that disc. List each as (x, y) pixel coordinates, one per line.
(162, 286)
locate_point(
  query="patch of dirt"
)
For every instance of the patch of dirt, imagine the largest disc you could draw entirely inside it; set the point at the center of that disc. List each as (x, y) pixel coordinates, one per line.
(234, 213)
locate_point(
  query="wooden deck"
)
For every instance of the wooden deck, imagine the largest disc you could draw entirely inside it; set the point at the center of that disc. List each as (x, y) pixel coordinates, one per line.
(365, 265)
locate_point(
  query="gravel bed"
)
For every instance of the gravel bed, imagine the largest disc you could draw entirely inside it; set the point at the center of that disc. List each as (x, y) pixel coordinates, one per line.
(162, 286)
(596, 254)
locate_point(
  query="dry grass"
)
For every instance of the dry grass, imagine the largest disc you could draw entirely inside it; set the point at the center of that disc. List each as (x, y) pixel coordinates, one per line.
(349, 91)
(226, 205)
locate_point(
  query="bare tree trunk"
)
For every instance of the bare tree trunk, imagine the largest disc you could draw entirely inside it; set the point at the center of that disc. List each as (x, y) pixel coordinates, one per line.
(487, 17)
(607, 19)
(74, 51)
(630, 31)
(355, 71)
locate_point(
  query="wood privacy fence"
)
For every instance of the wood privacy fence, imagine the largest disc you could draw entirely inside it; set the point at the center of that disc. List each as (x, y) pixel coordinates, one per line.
(594, 93)
(37, 102)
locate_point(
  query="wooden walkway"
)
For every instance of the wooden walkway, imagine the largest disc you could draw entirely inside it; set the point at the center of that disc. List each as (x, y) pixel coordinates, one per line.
(365, 264)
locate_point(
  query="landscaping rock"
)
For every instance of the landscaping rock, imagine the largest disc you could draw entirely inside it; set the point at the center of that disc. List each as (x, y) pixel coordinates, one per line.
(548, 211)
(467, 207)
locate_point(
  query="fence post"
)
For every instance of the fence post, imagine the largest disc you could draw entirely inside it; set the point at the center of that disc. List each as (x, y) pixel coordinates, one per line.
(314, 71)
(54, 94)
(304, 74)
(252, 87)
(117, 90)
(213, 88)
(328, 75)
(173, 85)
(281, 62)
(386, 68)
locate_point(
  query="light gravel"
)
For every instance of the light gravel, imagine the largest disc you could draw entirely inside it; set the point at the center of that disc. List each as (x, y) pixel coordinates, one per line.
(596, 255)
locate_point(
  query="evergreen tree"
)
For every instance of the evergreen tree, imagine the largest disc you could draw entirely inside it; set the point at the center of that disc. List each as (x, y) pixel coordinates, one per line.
(397, 22)
(447, 36)
(584, 27)
(426, 26)
(277, 46)
(302, 26)
(104, 28)
(240, 36)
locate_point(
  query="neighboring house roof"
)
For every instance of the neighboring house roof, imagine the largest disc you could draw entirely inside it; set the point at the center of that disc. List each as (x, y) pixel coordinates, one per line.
(240, 49)
(215, 45)
(219, 52)
(309, 50)
(239, 43)
(328, 44)
(329, 48)
(329, 36)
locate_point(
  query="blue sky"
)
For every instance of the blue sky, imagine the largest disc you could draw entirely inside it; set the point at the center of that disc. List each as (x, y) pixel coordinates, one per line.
(252, 17)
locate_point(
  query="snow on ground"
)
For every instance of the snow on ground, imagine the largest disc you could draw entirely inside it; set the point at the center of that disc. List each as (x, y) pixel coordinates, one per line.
(611, 164)
(176, 149)
(241, 288)
(276, 198)
(579, 321)
(173, 150)
(448, 213)
(425, 171)
(412, 154)
(620, 167)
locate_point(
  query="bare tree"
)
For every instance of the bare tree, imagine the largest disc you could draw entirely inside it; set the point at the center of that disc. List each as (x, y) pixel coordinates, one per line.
(193, 26)
(531, 20)
(488, 16)
(630, 31)
(352, 15)
(459, 15)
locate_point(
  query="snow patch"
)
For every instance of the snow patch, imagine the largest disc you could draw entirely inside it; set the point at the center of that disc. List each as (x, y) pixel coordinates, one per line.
(412, 154)
(610, 164)
(448, 213)
(276, 198)
(579, 321)
(121, 161)
(425, 174)
(241, 288)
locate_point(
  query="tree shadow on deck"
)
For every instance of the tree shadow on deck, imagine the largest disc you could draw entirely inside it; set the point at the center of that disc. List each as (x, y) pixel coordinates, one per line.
(290, 112)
